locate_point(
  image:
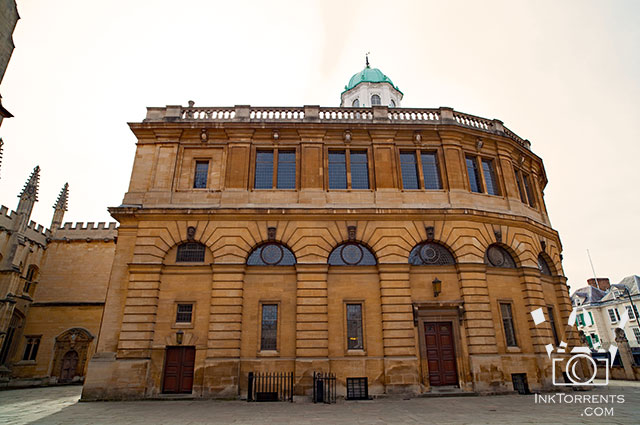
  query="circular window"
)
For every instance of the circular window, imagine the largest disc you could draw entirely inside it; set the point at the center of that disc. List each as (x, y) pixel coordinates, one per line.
(429, 254)
(496, 257)
(271, 254)
(351, 254)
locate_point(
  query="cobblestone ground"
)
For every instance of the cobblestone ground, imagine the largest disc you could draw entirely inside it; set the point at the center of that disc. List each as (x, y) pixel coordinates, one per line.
(59, 405)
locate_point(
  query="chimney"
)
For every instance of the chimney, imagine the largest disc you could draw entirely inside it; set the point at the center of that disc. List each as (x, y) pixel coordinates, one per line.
(602, 284)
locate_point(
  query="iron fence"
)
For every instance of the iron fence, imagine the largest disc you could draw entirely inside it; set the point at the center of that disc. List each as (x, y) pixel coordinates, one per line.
(324, 387)
(265, 386)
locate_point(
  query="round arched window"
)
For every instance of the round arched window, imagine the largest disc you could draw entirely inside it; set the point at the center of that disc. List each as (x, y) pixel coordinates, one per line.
(499, 257)
(392, 104)
(430, 254)
(375, 100)
(356, 103)
(271, 254)
(351, 254)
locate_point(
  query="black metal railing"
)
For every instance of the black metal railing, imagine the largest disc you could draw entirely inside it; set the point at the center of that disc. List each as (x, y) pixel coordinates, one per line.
(324, 387)
(264, 386)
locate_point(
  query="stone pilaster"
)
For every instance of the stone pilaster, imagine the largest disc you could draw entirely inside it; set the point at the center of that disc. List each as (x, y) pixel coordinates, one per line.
(398, 333)
(533, 298)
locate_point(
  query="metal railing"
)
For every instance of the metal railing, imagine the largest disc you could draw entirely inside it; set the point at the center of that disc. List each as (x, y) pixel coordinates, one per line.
(324, 387)
(265, 386)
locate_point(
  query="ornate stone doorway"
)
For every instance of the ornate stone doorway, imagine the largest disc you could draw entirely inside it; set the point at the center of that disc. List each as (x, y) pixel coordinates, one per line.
(71, 353)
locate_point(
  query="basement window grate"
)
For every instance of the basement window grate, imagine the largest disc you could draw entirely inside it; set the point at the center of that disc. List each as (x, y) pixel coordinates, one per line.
(520, 383)
(357, 389)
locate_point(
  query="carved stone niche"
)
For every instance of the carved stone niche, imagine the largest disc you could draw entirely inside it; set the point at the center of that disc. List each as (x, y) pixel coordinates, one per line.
(70, 355)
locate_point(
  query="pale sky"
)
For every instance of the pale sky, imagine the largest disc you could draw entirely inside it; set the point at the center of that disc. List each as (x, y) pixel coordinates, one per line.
(563, 74)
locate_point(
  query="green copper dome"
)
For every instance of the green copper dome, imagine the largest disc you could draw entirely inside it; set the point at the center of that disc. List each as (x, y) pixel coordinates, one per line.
(369, 75)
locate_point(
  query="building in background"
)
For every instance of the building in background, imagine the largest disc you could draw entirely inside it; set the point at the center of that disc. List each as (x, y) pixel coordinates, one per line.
(600, 310)
(8, 20)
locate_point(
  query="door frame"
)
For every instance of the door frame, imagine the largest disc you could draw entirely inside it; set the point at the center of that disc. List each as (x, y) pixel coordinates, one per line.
(443, 311)
(164, 367)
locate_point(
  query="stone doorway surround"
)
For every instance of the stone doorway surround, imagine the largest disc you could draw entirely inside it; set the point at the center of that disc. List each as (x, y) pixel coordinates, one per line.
(77, 340)
(443, 311)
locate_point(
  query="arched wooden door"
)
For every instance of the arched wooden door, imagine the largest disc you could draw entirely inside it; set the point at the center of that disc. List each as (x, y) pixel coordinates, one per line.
(69, 366)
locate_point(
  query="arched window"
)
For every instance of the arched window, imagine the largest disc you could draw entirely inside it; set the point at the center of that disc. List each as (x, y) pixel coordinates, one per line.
(356, 103)
(351, 254)
(430, 254)
(392, 104)
(271, 254)
(32, 275)
(543, 265)
(497, 256)
(190, 252)
(375, 100)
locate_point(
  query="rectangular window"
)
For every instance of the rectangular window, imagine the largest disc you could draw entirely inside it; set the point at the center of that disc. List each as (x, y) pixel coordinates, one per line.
(200, 177)
(430, 171)
(354, 327)
(337, 170)
(184, 313)
(269, 335)
(636, 333)
(630, 312)
(264, 170)
(359, 170)
(523, 197)
(595, 338)
(507, 323)
(31, 349)
(552, 322)
(286, 170)
(357, 388)
(527, 186)
(409, 168)
(490, 180)
(474, 175)
(589, 341)
(591, 318)
(580, 319)
(613, 315)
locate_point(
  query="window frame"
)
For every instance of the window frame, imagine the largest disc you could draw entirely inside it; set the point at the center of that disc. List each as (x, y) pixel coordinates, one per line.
(615, 317)
(632, 312)
(176, 323)
(31, 347)
(30, 278)
(417, 155)
(262, 351)
(379, 99)
(525, 187)
(347, 349)
(275, 151)
(636, 333)
(478, 161)
(509, 303)
(204, 253)
(195, 172)
(347, 153)
(552, 322)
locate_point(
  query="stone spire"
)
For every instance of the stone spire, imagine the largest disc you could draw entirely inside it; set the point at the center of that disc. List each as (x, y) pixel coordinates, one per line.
(28, 198)
(60, 207)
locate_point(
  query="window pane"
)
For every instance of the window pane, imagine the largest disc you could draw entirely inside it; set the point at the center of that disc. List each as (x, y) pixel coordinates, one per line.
(409, 170)
(264, 170)
(286, 170)
(200, 179)
(552, 323)
(490, 177)
(527, 186)
(269, 327)
(359, 170)
(636, 333)
(190, 252)
(430, 171)
(612, 316)
(354, 327)
(356, 103)
(184, 313)
(519, 183)
(337, 170)
(507, 323)
(474, 177)
(375, 100)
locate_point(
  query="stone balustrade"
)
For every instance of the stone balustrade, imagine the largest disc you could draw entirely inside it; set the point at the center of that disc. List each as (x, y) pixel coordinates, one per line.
(313, 113)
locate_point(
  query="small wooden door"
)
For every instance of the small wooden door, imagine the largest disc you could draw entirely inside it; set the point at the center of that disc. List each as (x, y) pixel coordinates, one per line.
(441, 356)
(178, 370)
(69, 365)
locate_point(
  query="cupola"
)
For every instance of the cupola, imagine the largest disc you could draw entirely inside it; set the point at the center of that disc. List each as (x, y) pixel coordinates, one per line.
(370, 87)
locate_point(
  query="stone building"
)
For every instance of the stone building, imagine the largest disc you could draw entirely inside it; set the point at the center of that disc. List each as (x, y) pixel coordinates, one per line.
(401, 249)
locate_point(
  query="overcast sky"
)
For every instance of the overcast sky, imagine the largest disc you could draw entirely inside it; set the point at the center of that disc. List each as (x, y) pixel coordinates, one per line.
(565, 75)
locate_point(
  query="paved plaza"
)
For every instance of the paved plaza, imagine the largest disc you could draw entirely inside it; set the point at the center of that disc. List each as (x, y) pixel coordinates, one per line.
(59, 405)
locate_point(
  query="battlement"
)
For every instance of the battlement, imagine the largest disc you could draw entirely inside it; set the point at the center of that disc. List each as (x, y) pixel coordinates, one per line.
(86, 231)
(38, 228)
(6, 213)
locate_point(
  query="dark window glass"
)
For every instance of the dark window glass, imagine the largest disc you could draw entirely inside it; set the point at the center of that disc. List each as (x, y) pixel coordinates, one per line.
(520, 188)
(190, 252)
(474, 176)
(430, 171)
(499, 257)
(552, 322)
(375, 100)
(337, 170)
(351, 254)
(357, 389)
(269, 335)
(490, 177)
(507, 322)
(527, 186)
(359, 170)
(356, 103)
(200, 178)
(392, 104)
(430, 254)
(543, 266)
(31, 349)
(29, 278)
(286, 170)
(409, 169)
(184, 312)
(354, 327)
(271, 254)
(264, 170)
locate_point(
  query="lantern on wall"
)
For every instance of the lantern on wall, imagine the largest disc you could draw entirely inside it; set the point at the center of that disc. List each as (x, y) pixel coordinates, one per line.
(437, 287)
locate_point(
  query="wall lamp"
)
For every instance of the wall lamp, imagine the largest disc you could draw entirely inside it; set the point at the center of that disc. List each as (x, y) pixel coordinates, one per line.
(179, 336)
(437, 287)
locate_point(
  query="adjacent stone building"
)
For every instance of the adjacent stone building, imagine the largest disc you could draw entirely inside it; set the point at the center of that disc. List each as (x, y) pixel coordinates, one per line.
(400, 249)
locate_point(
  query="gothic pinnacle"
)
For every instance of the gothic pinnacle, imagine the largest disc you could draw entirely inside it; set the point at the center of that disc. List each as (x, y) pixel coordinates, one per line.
(61, 202)
(30, 190)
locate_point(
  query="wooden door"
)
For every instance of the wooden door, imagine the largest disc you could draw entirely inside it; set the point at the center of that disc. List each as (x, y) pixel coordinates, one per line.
(441, 356)
(178, 370)
(69, 366)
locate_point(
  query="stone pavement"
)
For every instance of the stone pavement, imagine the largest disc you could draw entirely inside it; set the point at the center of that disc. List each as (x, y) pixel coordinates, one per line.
(59, 405)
